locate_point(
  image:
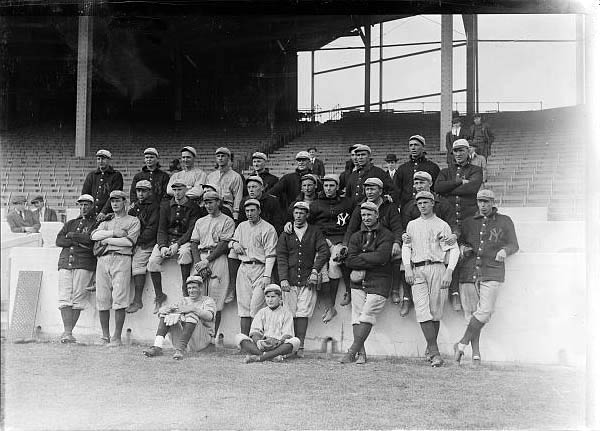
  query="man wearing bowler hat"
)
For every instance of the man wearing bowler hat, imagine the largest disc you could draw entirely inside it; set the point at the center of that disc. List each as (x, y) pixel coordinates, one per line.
(20, 219)
(101, 182)
(151, 172)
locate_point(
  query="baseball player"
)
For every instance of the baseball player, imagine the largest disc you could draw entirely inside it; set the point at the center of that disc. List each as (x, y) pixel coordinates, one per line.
(486, 240)
(101, 182)
(369, 257)
(259, 160)
(203, 213)
(422, 181)
(331, 214)
(76, 265)
(309, 184)
(209, 245)
(151, 172)
(270, 211)
(253, 244)
(300, 257)
(423, 259)
(181, 319)
(288, 186)
(366, 169)
(193, 178)
(176, 220)
(147, 210)
(116, 237)
(230, 183)
(272, 332)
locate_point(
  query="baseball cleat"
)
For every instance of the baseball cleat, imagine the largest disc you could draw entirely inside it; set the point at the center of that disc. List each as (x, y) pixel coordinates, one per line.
(405, 307)
(133, 307)
(67, 339)
(348, 358)
(346, 299)
(437, 361)
(115, 342)
(396, 299)
(456, 302)
(427, 355)
(178, 355)
(278, 358)
(300, 353)
(330, 313)
(103, 341)
(152, 351)
(458, 354)
(476, 360)
(361, 357)
(158, 302)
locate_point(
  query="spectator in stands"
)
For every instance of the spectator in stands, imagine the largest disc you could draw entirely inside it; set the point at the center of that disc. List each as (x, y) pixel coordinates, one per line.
(269, 205)
(288, 187)
(366, 169)
(20, 219)
(41, 211)
(348, 168)
(193, 178)
(481, 136)
(369, 252)
(177, 217)
(259, 160)
(423, 258)
(457, 132)
(417, 162)
(317, 166)
(300, 257)
(410, 211)
(101, 182)
(230, 183)
(76, 266)
(487, 239)
(209, 246)
(151, 172)
(478, 160)
(116, 237)
(392, 165)
(147, 210)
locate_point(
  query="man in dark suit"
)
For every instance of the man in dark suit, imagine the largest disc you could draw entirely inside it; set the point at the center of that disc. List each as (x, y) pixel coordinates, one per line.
(317, 165)
(41, 211)
(457, 132)
(20, 219)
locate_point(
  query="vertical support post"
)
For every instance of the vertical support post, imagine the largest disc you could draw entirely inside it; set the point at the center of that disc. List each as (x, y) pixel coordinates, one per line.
(446, 53)
(380, 66)
(579, 60)
(367, 42)
(83, 115)
(476, 60)
(471, 30)
(178, 96)
(312, 85)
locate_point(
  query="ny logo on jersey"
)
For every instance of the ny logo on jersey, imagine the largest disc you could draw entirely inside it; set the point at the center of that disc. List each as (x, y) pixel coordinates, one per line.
(495, 234)
(342, 219)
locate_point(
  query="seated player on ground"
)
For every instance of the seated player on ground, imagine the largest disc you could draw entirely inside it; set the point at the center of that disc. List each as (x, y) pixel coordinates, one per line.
(182, 318)
(272, 331)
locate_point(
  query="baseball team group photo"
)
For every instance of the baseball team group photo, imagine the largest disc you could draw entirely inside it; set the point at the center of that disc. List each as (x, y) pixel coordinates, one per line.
(209, 221)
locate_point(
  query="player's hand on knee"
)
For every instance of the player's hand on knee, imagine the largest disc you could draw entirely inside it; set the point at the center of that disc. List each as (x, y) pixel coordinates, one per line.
(288, 228)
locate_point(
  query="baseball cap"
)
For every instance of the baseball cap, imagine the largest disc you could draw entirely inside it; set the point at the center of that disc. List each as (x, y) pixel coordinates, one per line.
(417, 138)
(302, 205)
(178, 183)
(273, 288)
(352, 148)
(256, 179)
(252, 202)
(361, 147)
(151, 150)
(332, 177)
(391, 158)
(210, 186)
(190, 150)
(85, 198)
(374, 182)
(19, 199)
(210, 195)
(311, 177)
(422, 175)
(118, 194)
(302, 155)
(424, 195)
(371, 206)
(259, 155)
(37, 199)
(104, 153)
(460, 143)
(485, 195)
(194, 279)
(143, 184)
(223, 150)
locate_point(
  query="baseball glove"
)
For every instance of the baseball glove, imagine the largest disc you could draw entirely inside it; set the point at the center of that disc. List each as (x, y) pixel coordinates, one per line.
(267, 344)
(341, 256)
(173, 318)
(205, 273)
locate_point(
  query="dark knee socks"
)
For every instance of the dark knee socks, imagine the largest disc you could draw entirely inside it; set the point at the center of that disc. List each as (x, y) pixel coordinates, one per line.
(361, 332)
(407, 291)
(395, 276)
(473, 328)
(185, 273)
(156, 278)
(162, 329)
(119, 322)
(333, 288)
(300, 326)
(249, 346)
(188, 330)
(245, 324)
(428, 329)
(217, 322)
(139, 280)
(104, 322)
(74, 317)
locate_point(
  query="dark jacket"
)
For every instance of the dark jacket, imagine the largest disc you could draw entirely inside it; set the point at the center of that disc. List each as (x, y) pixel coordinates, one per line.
(355, 184)
(441, 208)
(450, 138)
(159, 180)
(74, 238)
(18, 223)
(270, 211)
(99, 184)
(148, 213)
(296, 259)
(176, 222)
(269, 180)
(373, 256)
(332, 216)
(404, 176)
(486, 236)
(345, 175)
(389, 218)
(288, 187)
(462, 197)
(49, 214)
(482, 137)
(318, 168)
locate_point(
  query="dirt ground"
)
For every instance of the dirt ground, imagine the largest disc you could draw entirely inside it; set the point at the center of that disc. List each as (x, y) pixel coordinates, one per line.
(50, 386)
